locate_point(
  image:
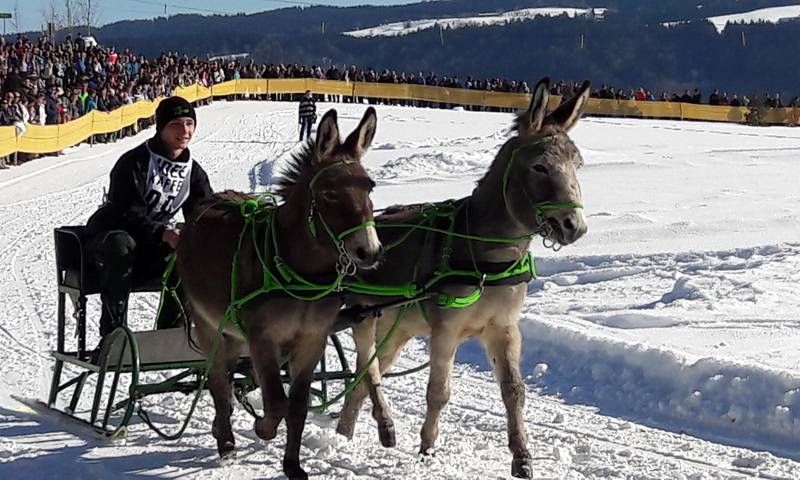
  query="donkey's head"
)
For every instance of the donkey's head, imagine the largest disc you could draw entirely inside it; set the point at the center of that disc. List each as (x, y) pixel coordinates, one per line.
(540, 185)
(341, 209)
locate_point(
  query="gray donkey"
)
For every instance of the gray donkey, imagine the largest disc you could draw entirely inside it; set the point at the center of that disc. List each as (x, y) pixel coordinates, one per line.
(531, 188)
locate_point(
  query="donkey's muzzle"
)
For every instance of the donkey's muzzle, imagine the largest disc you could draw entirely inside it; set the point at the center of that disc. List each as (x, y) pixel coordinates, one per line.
(365, 249)
(567, 226)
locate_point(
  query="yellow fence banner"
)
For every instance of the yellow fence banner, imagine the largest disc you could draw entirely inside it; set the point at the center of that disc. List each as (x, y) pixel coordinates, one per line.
(53, 138)
(39, 139)
(106, 122)
(288, 85)
(74, 132)
(251, 86)
(135, 111)
(783, 116)
(382, 90)
(203, 92)
(8, 141)
(224, 89)
(329, 87)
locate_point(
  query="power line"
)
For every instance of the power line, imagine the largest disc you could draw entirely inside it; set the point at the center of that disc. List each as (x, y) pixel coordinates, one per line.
(183, 7)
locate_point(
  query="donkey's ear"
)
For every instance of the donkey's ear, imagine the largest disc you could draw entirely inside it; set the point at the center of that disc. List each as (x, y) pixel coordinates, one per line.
(568, 113)
(531, 121)
(327, 136)
(359, 141)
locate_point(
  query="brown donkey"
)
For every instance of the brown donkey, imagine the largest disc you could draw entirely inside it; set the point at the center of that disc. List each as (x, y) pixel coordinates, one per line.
(531, 188)
(323, 231)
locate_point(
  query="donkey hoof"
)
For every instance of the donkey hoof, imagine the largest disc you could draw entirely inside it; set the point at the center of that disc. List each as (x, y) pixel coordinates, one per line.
(386, 433)
(427, 452)
(294, 471)
(521, 468)
(346, 429)
(267, 427)
(225, 448)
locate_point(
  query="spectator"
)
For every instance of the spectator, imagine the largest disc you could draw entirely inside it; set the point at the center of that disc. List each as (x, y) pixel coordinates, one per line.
(131, 231)
(713, 99)
(307, 114)
(697, 97)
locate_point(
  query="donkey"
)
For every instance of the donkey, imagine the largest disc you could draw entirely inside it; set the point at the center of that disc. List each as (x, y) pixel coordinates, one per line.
(323, 228)
(530, 188)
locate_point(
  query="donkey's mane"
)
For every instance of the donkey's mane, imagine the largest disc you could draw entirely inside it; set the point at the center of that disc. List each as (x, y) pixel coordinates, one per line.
(297, 169)
(494, 162)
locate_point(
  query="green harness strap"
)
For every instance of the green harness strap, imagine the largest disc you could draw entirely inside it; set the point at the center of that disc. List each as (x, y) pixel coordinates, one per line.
(255, 211)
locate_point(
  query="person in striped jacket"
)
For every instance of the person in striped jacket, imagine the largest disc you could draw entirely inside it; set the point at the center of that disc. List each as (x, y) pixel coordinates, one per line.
(307, 114)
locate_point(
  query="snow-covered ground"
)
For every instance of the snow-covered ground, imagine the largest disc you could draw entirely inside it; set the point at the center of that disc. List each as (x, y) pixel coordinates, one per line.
(412, 26)
(771, 14)
(665, 344)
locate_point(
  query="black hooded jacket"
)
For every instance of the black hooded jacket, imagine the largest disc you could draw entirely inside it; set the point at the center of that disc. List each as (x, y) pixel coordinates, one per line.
(126, 209)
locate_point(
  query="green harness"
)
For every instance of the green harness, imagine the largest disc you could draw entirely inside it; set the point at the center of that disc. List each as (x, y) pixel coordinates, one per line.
(280, 279)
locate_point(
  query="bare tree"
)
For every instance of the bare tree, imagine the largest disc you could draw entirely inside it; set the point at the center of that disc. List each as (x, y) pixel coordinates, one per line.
(51, 14)
(69, 14)
(86, 11)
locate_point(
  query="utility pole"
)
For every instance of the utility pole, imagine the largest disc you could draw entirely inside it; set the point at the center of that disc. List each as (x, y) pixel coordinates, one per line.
(89, 19)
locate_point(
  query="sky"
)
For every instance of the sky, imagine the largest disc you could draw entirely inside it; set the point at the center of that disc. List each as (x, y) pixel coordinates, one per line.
(31, 12)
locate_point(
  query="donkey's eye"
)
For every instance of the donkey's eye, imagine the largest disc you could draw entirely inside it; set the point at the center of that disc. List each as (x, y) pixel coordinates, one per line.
(541, 169)
(329, 195)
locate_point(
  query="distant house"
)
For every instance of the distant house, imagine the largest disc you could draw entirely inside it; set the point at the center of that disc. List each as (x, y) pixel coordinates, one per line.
(598, 14)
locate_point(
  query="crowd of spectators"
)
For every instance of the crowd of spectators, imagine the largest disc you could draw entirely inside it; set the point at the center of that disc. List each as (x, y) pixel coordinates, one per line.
(688, 96)
(47, 83)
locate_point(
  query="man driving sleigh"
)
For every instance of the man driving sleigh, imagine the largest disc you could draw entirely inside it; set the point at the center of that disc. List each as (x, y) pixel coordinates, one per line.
(132, 234)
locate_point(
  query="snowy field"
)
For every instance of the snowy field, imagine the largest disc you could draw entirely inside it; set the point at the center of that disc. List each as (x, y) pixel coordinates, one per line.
(412, 26)
(665, 344)
(771, 14)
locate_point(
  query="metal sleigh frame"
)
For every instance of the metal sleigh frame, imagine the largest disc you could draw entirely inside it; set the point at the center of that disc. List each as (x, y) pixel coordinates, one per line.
(132, 353)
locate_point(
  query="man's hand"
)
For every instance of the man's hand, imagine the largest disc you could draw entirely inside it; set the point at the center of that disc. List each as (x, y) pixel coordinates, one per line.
(171, 237)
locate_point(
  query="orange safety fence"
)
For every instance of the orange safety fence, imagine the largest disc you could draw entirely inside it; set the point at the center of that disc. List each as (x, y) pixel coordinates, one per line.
(52, 138)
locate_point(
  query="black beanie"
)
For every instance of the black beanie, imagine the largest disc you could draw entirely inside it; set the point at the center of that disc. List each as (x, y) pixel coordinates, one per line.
(172, 108)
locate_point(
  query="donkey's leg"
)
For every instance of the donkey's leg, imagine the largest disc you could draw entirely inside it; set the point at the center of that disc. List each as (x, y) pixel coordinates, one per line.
(502, 342)
(265, 356)
(364, 336)
(307, 354)
(364, 339)
(219, 383)
(443, 351)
